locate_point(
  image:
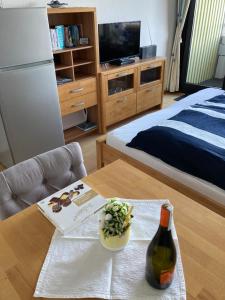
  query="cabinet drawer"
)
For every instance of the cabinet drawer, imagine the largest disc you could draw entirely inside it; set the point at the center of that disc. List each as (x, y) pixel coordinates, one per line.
(78, 103)
(120, 74)
(76, 88)
(149, 98)
(120, 108)
(151, 66)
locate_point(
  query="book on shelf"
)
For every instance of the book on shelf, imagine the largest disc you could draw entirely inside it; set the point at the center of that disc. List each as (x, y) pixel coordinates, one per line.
(71, 206)
(54, 39)
(80, 28)
(66, 36)
(74, 35)
(60, 36)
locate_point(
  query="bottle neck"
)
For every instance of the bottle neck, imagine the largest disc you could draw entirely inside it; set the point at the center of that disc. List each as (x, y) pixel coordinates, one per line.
(166, 216)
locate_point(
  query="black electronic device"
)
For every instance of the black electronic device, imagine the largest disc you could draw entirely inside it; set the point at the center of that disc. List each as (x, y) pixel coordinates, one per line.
(148, 51)
(119, 41)
(122, 61)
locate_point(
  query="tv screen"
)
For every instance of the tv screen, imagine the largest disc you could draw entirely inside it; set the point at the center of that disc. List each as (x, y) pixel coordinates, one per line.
(119, 40)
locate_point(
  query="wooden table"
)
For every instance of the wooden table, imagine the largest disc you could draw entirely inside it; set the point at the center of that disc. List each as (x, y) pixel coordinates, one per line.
(25, 237)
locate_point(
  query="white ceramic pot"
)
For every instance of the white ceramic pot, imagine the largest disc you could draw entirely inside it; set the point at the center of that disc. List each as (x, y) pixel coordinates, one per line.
(115, 243)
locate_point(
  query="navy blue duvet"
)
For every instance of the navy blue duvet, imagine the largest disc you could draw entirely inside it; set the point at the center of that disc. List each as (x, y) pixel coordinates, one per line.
(192, 141)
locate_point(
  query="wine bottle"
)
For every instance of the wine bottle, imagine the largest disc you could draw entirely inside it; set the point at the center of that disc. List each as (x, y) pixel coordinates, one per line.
(161, 254)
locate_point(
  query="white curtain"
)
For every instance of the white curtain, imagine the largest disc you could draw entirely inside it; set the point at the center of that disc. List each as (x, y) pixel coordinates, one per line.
(173, 78)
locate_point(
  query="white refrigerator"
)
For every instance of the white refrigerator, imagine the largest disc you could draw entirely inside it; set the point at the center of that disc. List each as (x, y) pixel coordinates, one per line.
(30, 121)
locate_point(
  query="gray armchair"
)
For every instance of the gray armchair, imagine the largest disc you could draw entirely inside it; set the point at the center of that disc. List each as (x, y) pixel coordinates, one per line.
(34, 179)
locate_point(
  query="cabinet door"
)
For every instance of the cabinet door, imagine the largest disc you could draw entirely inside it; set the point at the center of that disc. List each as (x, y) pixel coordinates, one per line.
(121, 83)
(149, 97)
(24, 36)
(150, 74)
(120, 108)
(30, 111)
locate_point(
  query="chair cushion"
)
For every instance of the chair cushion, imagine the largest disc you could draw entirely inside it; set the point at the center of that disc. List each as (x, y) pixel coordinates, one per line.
(34, 179)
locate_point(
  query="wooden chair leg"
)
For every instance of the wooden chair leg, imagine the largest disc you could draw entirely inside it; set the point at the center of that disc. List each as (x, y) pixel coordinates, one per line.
(2, 167)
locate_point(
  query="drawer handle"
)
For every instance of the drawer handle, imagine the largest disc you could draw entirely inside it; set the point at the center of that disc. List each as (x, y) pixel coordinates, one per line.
(149, 91)
(76, 91)
(122, 74)
(121, 100)
(78, 104)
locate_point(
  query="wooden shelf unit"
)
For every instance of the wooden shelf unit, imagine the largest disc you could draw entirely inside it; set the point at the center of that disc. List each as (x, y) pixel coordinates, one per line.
(79, 64)
(82, 62)
(75, 131)
(78, 48)
(129, 90)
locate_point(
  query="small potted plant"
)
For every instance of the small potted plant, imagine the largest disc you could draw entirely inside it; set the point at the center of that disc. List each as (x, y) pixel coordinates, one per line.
(115, 224)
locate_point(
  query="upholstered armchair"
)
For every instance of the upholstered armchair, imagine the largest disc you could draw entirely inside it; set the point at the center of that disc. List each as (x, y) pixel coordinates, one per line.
(34, 179)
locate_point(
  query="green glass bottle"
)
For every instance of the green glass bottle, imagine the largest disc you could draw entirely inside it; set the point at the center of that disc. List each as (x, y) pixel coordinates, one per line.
(161, 254)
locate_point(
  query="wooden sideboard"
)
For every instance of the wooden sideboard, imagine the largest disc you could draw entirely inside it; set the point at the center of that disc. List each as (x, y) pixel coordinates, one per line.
(129, 90)
(109, 93)
(79, 64)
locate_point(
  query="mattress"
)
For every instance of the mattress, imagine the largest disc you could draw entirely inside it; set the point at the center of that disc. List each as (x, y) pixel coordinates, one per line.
(118, 138)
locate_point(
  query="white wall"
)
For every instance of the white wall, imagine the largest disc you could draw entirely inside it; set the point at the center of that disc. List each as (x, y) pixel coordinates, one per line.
(160, 15)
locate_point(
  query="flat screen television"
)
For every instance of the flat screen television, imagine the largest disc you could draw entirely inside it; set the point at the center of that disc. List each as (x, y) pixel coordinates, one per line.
(119, 40)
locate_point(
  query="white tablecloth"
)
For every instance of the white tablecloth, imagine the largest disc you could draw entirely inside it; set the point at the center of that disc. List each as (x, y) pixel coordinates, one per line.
(77, 266)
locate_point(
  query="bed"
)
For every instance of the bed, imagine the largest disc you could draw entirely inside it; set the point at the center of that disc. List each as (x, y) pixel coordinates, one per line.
(113, 146)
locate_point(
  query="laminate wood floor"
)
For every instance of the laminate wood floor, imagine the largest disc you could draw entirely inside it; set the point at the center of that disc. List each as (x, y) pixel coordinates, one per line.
(88, 144)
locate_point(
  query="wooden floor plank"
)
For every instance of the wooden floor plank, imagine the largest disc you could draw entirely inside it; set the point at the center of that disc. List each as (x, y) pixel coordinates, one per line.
(7, 290)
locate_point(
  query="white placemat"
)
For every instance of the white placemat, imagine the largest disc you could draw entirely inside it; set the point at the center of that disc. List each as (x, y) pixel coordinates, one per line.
(77, 266)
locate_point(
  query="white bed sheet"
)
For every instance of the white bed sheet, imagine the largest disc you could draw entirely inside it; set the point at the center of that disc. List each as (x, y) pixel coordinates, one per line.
(118, 138)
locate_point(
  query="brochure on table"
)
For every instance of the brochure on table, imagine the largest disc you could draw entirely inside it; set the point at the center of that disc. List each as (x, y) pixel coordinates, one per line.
(71, 206)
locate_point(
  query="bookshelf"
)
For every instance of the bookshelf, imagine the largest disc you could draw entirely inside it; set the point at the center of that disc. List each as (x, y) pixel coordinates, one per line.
(79, 65)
